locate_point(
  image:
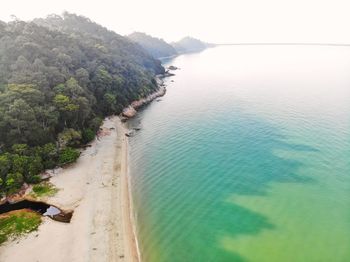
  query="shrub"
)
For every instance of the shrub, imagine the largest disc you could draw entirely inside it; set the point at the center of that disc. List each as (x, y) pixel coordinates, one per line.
(68, 155)
(69, 137)
(34, 179)
(88, 135)
(49, 155)
(44, 189)
(95, 123)
(20, 149)
(14, 181)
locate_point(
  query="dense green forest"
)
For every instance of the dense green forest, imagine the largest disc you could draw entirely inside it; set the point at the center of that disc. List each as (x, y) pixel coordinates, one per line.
(156, 47)
(59, 77)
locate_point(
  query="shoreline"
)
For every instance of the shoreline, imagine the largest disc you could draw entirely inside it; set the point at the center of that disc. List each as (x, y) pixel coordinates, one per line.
(127, 199)
(103, 226)
(131, 110)
(97, 188)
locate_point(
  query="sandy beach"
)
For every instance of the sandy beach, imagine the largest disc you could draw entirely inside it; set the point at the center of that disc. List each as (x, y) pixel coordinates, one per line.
(96, 188)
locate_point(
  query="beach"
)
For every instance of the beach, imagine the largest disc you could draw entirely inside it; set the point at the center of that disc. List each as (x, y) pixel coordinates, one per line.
(96, 189)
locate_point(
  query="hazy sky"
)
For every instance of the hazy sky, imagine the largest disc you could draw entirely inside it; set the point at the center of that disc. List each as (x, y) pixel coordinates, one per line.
(215, 21)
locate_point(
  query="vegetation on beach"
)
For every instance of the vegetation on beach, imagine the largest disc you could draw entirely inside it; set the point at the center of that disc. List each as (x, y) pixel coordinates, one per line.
(44, 189)
(22, 164)
(59, 77)
(16, 223)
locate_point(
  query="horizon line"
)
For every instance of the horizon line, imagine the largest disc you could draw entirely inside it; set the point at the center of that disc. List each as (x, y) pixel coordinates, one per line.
(314, 44)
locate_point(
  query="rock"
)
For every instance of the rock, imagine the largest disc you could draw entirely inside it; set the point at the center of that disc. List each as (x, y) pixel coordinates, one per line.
(172, 67)
(130, 134)
(129, 112)
(64, 216)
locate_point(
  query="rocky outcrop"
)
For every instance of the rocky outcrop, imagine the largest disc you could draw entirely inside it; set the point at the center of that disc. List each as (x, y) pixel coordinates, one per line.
(130, 111)
(173, 68)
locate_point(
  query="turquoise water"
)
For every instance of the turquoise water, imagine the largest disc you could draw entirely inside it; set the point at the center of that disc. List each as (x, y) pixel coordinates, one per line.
(247, 158)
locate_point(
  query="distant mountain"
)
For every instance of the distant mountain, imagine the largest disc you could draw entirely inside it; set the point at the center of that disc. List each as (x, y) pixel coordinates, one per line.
(155, 46)
(190, 44)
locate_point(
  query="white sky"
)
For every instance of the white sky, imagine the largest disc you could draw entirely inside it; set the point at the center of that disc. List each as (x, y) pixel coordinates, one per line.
(216, 21)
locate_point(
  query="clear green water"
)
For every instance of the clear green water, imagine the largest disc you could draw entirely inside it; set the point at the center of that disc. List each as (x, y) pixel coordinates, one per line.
(247, 158)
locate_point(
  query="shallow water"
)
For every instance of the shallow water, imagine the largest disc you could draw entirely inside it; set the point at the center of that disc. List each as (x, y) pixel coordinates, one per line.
(247, 158)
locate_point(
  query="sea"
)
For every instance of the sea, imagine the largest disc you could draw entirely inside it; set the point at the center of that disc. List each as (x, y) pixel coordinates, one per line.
(246, 157)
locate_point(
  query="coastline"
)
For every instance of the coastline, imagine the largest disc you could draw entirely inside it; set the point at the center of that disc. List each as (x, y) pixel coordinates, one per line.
(97, 189)
(126, 199)
(131, 110)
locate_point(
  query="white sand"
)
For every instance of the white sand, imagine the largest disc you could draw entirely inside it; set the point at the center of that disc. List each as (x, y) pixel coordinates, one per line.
(96, 188)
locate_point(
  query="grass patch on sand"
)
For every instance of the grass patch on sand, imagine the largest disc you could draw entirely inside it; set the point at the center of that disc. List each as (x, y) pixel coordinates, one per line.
(44, 189)
(17, 223)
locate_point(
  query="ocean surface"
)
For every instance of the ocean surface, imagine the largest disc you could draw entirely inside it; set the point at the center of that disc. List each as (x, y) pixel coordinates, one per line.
(246, 158)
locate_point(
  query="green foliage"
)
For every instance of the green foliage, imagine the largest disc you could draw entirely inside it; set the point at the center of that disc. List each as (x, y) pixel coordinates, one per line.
(95, 123)
(5, 165)
(59, 77)
(88, 135)
(14, 181)
(44, 189)
(61, 101)
(20, 149)
(17, 223)
(35, 166)
(48, 154)
(68, 155)
(69, 137)
(24, 164)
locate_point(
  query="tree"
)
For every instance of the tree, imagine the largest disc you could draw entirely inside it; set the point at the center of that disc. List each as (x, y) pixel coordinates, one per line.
(48, 154)
(21, 122)
(59, 77)
(69, 137)
(14, 181)
(35, 166)
(88, 135)
(82, 76)
(5, 165)
(20, 149)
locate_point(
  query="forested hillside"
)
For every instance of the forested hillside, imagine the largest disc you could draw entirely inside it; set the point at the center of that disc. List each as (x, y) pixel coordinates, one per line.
(58, 78)
(155, 46)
